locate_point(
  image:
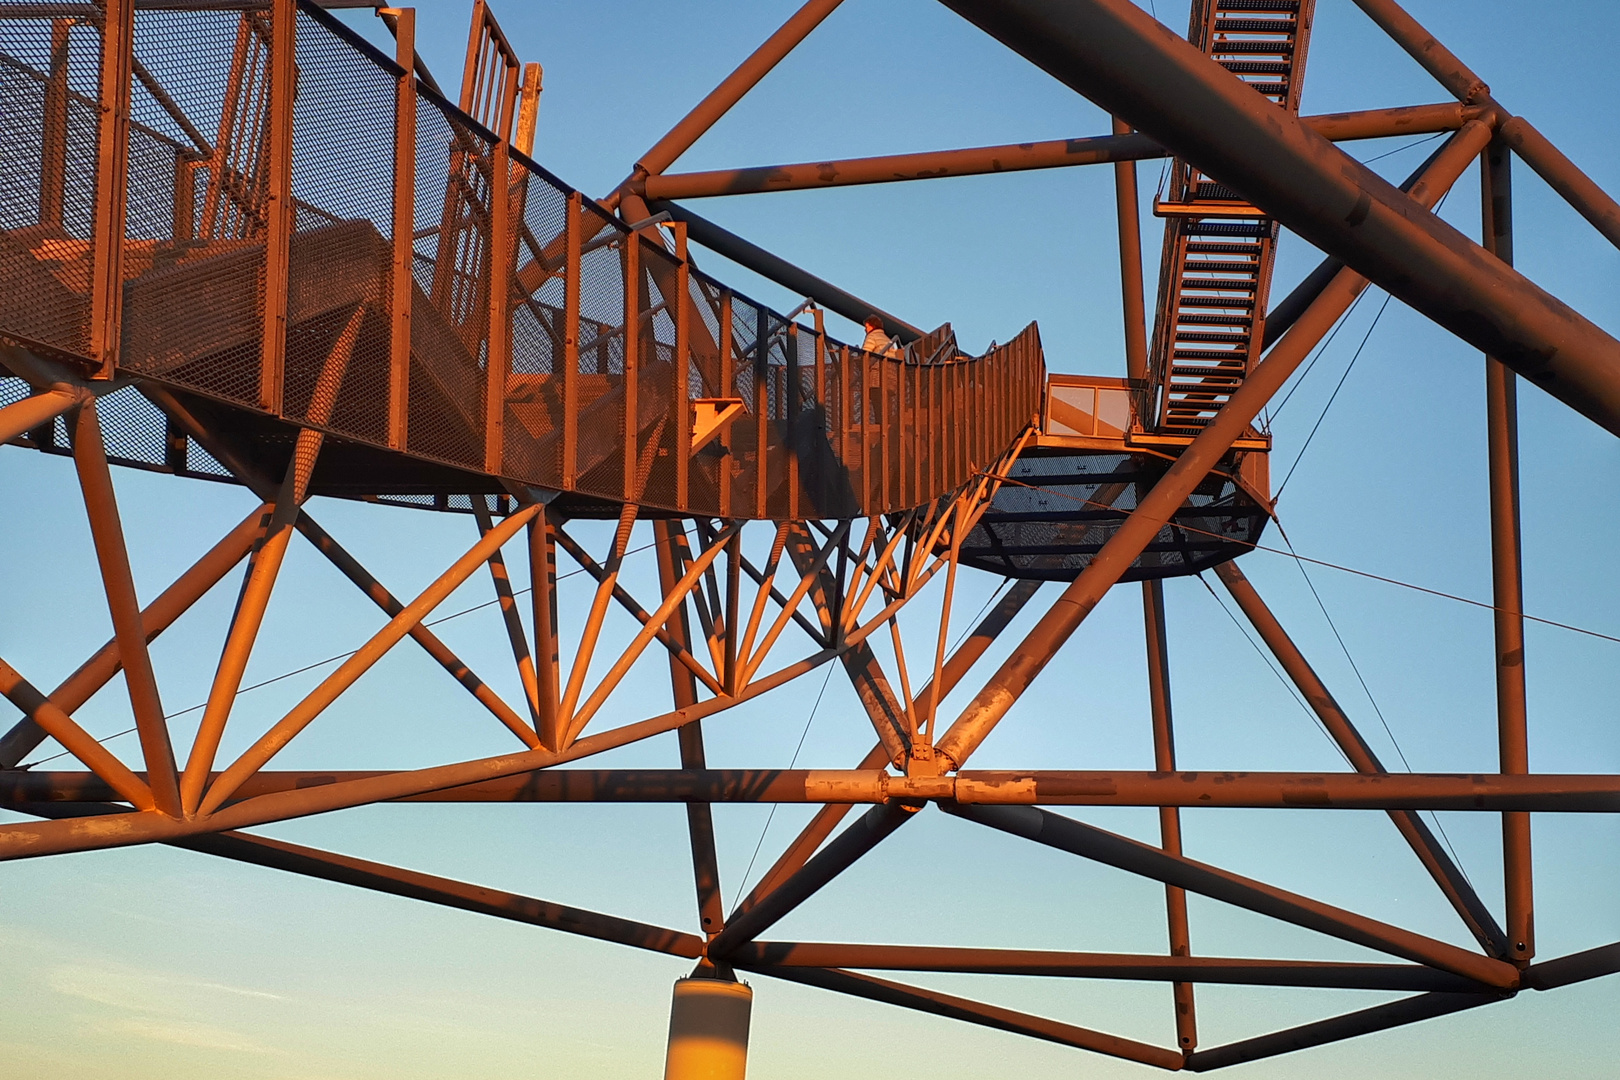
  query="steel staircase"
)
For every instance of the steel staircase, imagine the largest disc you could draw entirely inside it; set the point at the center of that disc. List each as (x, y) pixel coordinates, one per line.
(1215, 271)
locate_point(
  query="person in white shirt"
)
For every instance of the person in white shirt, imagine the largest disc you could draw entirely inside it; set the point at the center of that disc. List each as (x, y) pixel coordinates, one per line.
(877, 341)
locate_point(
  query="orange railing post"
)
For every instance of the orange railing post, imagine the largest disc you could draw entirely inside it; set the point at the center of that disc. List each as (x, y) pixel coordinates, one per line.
(112, 157)
(570, 372)
(404, 264)
(279, 204)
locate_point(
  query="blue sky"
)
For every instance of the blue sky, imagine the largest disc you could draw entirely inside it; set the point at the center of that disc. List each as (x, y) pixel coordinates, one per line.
(164, 963)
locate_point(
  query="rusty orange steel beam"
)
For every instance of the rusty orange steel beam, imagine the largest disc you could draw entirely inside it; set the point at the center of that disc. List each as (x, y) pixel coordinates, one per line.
(1480, 792)
(1018, 157)
(1111, 849)
(64, 729)
(118, 582)
(1456, 887)
(31, 840)
(732, 88)
(302, 714)
(156, 617)
(24, 416)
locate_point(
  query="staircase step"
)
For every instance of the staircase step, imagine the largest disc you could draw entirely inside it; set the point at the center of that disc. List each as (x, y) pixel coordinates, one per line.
(1237, 302)
(1225, 358)
(1206, 247)
(1291, 6)
(1220, 266)
(1226, 228)
(1232, 48)
(1257, 67)
(1200, 319)
(1211, 190)
(1211, 338)
(1254, 26)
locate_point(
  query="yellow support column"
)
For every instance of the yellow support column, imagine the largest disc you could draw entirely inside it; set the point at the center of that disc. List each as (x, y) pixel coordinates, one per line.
(708, 1030)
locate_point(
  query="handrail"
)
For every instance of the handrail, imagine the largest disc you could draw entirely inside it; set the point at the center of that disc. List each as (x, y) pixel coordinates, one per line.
(535, 382)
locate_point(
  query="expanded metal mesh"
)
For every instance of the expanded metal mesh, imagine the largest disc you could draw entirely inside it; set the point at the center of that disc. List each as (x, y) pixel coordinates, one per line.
(1056, 511)
(49, 75)
(194, 254)
(610, 404)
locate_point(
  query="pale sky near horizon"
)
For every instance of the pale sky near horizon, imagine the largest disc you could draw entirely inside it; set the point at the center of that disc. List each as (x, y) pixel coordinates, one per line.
(151, 963)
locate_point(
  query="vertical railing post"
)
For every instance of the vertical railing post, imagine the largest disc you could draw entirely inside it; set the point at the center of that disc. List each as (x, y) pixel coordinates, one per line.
(404, 264)
(793, 409)
(279, 218)
(847, 423)
(886, 401)
(762, 402)
(632, 360)
(112, 158)
(502, 253)
(682, 390)
(1507, 578)
(728, 386)
(498, 348)
(910, 444)
(570, 360)
(1130, 271)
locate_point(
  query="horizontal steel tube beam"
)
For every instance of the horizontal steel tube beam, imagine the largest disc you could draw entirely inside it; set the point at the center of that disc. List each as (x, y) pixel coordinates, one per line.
(1077, 965)
(1128, 64)
(1111, 849)
(701, 230)
(1546, 793)
(1018, 157)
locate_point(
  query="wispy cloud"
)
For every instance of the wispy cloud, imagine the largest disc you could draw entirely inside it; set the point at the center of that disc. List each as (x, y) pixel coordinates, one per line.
(136, 989)
(186, 1033)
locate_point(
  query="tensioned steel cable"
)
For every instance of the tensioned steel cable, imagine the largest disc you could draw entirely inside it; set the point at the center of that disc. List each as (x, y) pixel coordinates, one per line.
(328, 660)
(1271, 414)
(1332, 397)
(1330, 565)
(742, 884)
(1365, 689)
(1287, 684)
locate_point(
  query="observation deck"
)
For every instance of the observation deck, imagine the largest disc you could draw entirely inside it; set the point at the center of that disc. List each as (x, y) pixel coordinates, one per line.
(337, 249)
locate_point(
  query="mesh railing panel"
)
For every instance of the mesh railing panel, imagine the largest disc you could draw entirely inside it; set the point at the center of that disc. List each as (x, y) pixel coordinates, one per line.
(814, 428)
(340, 281)
(447, 379)
(49, 75)
(195, 225)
